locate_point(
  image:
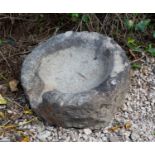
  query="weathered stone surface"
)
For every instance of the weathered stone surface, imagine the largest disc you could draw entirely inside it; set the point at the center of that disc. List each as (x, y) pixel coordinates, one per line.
(76, 79)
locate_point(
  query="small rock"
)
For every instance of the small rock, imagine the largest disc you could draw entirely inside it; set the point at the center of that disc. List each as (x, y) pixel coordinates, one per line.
(9, 112)
(85, 137)
(134, 136)
(104, 138)
(152, 60)
(113, 82)
(3, 89)
(87, 131)
(43, 135)
(127, 135)
(153, 70)
(114, 139)
(145, 70)
(151, 94)
(13, 85)
(5, 139)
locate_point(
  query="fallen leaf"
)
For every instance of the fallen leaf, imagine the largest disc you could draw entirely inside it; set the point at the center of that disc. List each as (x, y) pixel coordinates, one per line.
(3, 89)
(20, 132)
(28, 111)
(10, 126)
(114, 129)
(13, 85)
(25, 139)
(127, 125)
(142, 25)
(27, 122)
(3, 101)
(1, 133)
(2, 115)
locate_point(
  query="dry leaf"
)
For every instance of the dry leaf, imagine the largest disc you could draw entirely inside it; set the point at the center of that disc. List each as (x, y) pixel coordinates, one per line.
(13, 85)
(1, 133)
(2, 115)
(25, 139)
(3, 89)
(127, 125)
(114, 129)
(3, 101)
(28, 111)
(27, 122)
(11, 126)
(20, 132)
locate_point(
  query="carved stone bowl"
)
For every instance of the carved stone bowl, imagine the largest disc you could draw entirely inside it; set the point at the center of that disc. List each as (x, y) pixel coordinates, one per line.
(76, 79)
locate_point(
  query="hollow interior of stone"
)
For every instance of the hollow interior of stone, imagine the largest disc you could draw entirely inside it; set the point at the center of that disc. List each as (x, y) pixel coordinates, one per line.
(72, 70)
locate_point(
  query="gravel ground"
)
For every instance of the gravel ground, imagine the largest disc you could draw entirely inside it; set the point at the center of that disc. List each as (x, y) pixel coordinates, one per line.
(134, 122)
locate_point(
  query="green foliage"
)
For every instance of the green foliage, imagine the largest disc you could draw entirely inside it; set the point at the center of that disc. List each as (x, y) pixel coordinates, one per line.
(153, 34)
(77, 16)
(129, 24)
(1, 42)
(142, 25)
(10, 41)
(74, 16)
(134, 45)
(135, 66)
(131, 41)
(151, 50)
(85, 18)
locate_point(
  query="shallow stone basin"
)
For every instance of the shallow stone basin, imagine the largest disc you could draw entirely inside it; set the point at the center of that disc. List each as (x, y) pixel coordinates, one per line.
(72, 70)
(76, 79)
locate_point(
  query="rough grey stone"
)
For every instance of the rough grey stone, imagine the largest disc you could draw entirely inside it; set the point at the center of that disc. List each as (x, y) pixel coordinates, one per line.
(87, 131)
(153, 70)
(5, 139)
(43, 135)
(76, 79)
(134, 136)
(113, 139)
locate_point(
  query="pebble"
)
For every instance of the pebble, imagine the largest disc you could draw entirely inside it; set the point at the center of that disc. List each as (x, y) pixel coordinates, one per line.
(134, 136)
(114, 139)
(87, 131)
(145, 70)
(153, 70)
(5, 139)
(104, 139)
(127, 135)
(43, 135)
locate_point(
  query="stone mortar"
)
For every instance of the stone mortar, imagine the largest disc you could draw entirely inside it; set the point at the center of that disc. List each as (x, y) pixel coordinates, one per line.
(76, 79)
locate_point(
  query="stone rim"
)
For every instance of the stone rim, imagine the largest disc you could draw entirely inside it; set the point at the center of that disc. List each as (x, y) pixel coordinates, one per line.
(30, 64)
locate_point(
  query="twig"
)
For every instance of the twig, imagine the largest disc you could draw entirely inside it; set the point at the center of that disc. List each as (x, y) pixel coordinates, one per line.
(132, 53)
(16, 18)
(17, 125)
(15, 103)
(137, 59)
(120, 20)
(17, 54)
(5, 60)
(78, 26)
(27, 122)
